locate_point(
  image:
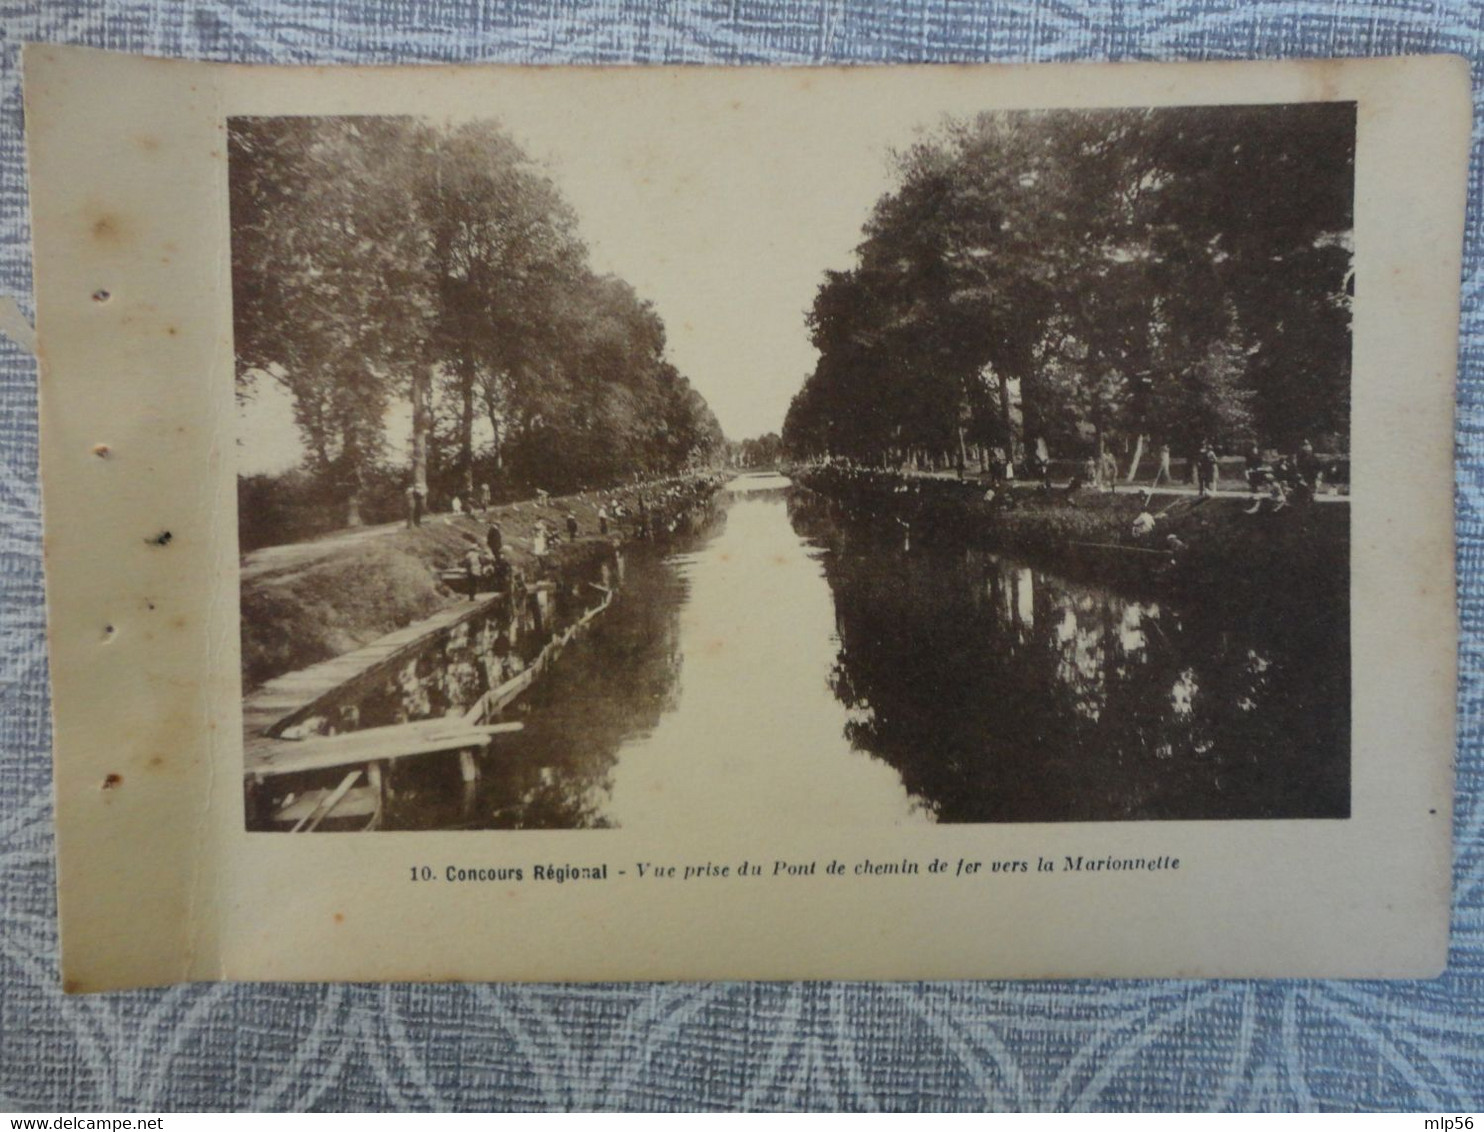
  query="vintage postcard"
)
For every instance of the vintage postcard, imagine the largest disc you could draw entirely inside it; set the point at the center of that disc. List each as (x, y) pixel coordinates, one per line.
(913, 522)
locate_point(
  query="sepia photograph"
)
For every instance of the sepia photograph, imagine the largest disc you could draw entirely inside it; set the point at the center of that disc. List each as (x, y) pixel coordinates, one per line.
(1047, 521)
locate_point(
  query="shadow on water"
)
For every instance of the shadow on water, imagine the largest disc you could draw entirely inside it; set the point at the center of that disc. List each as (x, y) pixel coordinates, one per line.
(609, 688)
(1002, 692)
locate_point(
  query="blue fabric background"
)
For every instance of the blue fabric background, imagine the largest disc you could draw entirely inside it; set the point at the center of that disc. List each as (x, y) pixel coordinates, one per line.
(1144, 1045)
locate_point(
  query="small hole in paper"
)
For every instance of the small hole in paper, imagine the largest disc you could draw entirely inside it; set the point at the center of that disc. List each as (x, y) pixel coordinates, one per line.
(101, 296)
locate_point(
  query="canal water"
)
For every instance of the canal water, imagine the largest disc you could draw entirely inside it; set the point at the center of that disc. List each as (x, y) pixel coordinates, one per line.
(790, 663)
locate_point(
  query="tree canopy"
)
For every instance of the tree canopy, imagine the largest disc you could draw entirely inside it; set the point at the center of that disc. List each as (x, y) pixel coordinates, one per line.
(1179, 274)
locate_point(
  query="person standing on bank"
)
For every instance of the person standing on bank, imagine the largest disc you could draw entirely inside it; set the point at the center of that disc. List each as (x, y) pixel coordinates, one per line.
(1256, 471)
(1310, 471)
(571, 527)
(540, 546)
(1043, 463)
(603, 520)
(1205, 469)
(495, 539)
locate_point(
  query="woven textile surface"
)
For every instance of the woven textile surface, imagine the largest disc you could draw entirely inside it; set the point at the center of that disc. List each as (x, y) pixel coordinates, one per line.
(1085, 1045)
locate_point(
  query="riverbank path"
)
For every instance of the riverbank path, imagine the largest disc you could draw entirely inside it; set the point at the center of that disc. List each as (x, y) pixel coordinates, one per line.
(292, 555)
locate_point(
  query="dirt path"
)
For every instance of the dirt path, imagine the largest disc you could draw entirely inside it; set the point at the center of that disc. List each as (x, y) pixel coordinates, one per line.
(516, 516)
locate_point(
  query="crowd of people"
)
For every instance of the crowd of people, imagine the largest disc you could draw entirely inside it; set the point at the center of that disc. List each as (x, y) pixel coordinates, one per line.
(1298, 477)
(643, 510)
(1281, 477)
(1274, 480)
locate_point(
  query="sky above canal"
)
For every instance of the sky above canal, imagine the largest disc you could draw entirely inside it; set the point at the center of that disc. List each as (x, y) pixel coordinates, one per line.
(723, 203)
(730, 241)
(724, 210)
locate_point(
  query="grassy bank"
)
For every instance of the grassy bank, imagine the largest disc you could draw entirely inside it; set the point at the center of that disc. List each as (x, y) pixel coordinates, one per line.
(317, 600)
(1296, 556)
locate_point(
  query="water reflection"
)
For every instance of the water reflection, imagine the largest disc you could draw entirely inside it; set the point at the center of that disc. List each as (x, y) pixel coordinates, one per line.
(606, 689)
(703, 700)
(791, 664)
(1005, 693)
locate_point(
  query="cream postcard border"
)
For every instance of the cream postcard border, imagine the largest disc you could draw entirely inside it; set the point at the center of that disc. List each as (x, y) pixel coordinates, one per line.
(158, 881)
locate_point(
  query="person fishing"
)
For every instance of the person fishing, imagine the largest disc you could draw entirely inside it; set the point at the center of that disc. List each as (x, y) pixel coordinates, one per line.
(474, 566)
(1147, 518)
(1144, 521)
(500, 573)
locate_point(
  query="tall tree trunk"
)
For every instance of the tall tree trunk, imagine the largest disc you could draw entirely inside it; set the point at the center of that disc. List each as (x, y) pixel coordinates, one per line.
(466, 424)
(492, 415)
(351, 461)
(1138, 456)
(1007, 422)
(422, 386)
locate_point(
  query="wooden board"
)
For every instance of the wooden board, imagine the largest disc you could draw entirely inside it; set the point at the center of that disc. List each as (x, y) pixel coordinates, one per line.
(267, 757)
(359, 802)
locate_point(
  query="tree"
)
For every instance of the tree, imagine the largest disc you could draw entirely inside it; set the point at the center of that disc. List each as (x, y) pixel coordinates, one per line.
(386, 259)
(1175, 272)
(502, 244)
(329, 298)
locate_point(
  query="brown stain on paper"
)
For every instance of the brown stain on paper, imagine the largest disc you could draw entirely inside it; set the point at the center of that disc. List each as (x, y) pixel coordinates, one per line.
(108, 228)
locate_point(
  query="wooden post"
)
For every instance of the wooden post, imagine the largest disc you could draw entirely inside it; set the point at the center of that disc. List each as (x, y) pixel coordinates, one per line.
(468, 767)
(310, 821)
(377, 776)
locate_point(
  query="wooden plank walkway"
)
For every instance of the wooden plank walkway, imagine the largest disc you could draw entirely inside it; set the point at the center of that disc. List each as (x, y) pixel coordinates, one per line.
(271, 710)
(284, 699)
(372, 744)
